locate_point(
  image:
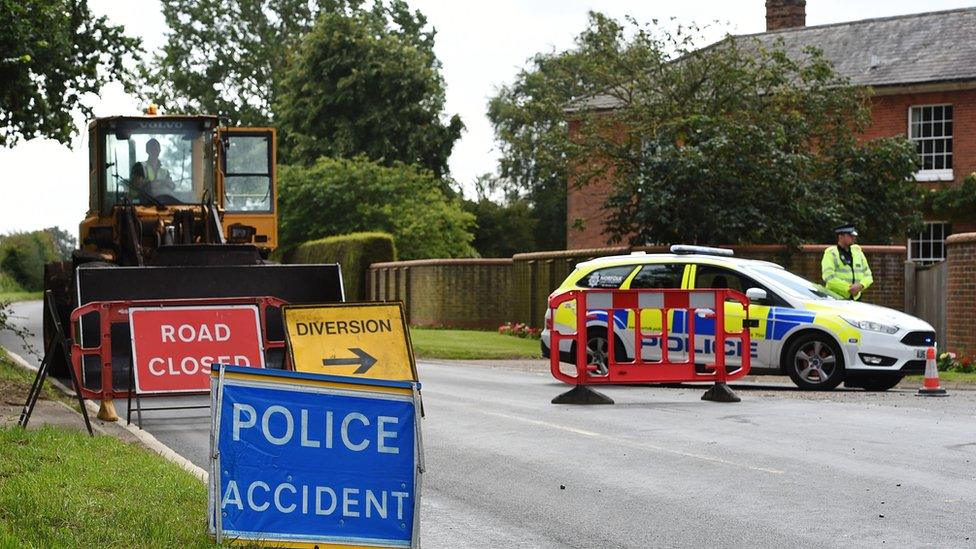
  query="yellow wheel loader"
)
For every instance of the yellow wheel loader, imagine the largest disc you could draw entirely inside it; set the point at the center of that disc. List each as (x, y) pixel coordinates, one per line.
(178, 207)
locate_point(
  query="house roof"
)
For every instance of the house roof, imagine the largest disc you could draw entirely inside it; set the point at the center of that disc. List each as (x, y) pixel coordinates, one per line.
(907, 49)
(918, 48)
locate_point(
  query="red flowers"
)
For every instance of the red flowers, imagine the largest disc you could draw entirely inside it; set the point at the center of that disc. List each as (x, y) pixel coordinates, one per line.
(519, 329)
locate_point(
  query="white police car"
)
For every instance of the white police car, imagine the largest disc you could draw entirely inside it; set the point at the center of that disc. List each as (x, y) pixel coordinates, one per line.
(803, 331)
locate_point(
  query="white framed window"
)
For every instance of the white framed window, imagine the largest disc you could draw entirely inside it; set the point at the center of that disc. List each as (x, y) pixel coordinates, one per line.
(928, 246)
(930, 129)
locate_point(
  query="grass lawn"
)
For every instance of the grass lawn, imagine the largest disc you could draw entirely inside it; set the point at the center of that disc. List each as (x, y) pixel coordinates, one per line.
(471, 345)
(958, 377)
(20, 296)
(15, 382)
(62, 488)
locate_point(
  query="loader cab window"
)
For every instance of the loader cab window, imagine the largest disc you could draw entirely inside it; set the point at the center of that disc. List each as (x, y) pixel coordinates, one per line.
(247, 172)
(156, 162)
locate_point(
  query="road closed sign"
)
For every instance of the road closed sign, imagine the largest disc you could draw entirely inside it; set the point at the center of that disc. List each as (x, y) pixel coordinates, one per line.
(350, 339)
(173, 348)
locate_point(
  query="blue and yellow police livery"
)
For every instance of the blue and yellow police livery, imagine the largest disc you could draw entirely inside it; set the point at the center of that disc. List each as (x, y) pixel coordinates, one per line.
(803, 330)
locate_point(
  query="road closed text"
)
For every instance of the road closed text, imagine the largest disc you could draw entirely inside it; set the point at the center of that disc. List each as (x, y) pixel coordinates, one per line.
(174, 349)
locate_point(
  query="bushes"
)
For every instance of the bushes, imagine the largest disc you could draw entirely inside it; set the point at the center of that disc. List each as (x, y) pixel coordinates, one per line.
(341, 196)
(22, 259)
(354, 252)
(950, 362)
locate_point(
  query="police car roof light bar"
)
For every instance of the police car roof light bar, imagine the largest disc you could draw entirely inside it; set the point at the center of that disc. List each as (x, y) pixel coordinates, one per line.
(705, 250)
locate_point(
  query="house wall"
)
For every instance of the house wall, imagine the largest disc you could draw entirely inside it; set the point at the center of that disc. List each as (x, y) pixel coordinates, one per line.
(961, 293)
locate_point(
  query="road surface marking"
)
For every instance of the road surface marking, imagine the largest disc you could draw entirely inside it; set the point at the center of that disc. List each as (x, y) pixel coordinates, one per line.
(632, 444)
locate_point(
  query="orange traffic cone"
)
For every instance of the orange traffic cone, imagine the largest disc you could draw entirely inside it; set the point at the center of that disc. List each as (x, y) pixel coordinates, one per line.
(931, 385)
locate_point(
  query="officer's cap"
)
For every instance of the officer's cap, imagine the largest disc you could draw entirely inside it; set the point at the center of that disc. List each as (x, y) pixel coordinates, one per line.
(846, 229)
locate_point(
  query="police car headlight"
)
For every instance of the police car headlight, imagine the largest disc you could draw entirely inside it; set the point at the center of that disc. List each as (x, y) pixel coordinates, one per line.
(871, 326)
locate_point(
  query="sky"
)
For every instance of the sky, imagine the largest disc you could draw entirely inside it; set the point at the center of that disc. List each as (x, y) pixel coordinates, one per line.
(482, 45)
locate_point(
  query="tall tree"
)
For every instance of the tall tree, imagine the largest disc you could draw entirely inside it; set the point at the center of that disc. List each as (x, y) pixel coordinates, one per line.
(226, 57)
(53, 53)
(532, 127)
(740, 143)
(366, 81)
(736, 142)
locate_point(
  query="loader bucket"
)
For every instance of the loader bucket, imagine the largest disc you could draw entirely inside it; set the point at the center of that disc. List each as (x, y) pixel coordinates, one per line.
(101, 282)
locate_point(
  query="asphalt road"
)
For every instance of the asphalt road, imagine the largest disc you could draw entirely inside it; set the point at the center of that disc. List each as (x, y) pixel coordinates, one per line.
(662, 468)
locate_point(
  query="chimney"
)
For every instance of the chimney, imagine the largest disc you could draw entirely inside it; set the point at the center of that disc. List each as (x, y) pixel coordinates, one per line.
(785, 14)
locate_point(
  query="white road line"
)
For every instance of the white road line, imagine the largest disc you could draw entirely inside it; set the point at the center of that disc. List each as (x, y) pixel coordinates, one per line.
(632, 444)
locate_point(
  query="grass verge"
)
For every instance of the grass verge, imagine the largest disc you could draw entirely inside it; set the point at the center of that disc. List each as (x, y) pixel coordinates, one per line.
(955, 377)
(20, 296)
(15, 382)
(471, 345)
(62, 488)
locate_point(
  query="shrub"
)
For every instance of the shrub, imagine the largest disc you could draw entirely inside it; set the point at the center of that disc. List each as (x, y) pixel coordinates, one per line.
(339, 196)
(353, 252)
(950, 362)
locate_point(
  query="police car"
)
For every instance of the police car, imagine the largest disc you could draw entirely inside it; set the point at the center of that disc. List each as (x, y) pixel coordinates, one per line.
(803, 331)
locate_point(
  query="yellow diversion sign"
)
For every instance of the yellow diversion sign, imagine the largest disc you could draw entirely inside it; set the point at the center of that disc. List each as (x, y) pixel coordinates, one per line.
(350, 339)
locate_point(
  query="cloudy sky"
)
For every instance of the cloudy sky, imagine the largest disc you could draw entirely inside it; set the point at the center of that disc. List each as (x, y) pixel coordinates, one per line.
(481, 44)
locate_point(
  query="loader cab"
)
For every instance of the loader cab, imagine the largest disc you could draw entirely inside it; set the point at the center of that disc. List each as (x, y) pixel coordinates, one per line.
(169, 168)
(154, 161)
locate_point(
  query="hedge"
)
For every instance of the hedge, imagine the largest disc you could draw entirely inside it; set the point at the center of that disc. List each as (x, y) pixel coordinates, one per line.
(353, 252)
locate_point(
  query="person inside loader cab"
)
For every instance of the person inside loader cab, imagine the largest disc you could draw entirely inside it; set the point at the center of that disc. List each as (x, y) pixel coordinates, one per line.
(150, 175)
(844, 268)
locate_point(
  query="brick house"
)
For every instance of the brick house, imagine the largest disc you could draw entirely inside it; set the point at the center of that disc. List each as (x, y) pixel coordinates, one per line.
(922, 70)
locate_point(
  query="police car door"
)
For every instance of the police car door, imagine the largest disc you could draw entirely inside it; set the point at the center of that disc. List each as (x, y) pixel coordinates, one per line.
(712, 276)
(660, 276)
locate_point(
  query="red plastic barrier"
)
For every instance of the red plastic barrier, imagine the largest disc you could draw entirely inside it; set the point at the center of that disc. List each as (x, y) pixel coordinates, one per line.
(709, 303)
(117, 312)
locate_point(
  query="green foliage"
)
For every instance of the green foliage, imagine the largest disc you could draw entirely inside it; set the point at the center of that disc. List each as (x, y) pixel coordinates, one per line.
(339, 196)
(502, 228)
(64, 242)
(731, 143)
(955, 203)
(226, 57)
(22, 258)
(532, 129)
(53, 53)
(366, 81)
(951, 362)
(741, 143)
(353, 252)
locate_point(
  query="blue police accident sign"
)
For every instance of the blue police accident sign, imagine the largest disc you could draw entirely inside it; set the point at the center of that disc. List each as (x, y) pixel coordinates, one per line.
(314, 458)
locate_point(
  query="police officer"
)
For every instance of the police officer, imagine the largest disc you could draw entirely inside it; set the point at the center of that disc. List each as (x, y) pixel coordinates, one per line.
(844, 268)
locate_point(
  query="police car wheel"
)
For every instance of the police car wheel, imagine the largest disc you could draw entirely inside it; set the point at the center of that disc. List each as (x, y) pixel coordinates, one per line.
(814, 362)
(598, 350)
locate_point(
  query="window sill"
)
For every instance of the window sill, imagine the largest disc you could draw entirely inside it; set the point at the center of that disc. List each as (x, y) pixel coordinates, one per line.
(934, 175)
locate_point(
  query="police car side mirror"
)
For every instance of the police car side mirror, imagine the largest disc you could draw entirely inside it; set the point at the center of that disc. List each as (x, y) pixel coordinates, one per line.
(756, 295)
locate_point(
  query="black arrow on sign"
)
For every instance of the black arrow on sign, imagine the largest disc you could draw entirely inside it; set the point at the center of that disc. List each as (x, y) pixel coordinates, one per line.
(363, 360)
